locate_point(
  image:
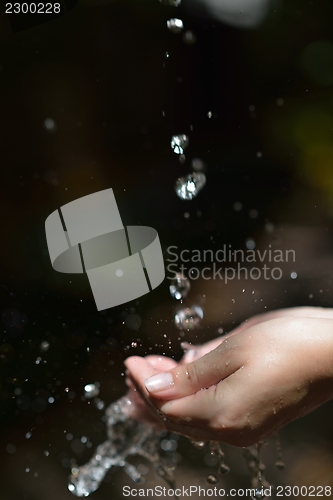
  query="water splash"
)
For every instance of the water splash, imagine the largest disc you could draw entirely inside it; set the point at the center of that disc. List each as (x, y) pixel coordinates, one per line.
(188, 187)
(179, 143)
(180, 286)
(212, 479)
(256, 468)
(215, 448)
(279, 464)
(189, 318)
(126, 437)
(175, 25)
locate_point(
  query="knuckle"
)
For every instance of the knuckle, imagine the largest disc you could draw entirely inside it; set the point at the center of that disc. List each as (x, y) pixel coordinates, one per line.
(192, 374)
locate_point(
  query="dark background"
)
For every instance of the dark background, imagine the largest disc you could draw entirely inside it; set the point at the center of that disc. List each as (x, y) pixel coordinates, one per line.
(100, 72)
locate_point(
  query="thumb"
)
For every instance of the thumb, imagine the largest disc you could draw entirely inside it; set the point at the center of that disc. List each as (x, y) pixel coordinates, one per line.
(189, 378)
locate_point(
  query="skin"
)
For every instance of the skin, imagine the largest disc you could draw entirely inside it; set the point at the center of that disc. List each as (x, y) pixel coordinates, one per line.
(239, 389)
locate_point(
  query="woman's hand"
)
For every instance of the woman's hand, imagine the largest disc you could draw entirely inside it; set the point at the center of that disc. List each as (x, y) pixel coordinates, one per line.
(255, 381)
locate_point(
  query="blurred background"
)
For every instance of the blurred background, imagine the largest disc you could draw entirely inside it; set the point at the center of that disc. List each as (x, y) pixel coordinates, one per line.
(90, 101)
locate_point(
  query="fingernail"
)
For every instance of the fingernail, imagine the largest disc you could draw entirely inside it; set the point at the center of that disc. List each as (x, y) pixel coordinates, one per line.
(159, 382)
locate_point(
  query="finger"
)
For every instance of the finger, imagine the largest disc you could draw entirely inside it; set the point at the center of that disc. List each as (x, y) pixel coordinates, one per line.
(219, 413)
(161, 363)
(215, 413)
(189, 378)
(207, 406)
(139, 369)
(195, 433)
(137, 409)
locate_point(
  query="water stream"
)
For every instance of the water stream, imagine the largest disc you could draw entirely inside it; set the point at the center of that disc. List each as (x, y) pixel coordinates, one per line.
(126, 438)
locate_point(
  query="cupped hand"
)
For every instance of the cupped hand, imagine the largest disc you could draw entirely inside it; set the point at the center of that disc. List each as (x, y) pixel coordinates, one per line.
(255, 381)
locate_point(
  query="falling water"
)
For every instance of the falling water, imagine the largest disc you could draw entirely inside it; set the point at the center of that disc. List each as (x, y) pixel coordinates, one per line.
(256, 468)
(91, 390)
(126, 438)
(279, 464)
(179, 287)
(178, 144)
(175, 25)
(189, 318)
(189, 186)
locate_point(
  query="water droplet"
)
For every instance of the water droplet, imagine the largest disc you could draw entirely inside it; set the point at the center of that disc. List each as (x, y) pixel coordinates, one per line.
(259, 154)
(46, 453)
(212, 479)
(269, 227)
(188, 187)
(223, 469)
(28, 435)
(100, 405)
(253, 213)
(279, 464)
(250, 244)
(179, 143)
(91, 390)
(197, 443)
(179, 287)
(209, 114)
(220, 330)
(50, 125)
(44, 346)
(169, 445)
(11, 448)
(198, 165)
(38, 360)
(134, 344)
(238, 206)
(189, 37)
(293, 275)
(189, 318)
(259, 495)
(175, 25)
(133, 321)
